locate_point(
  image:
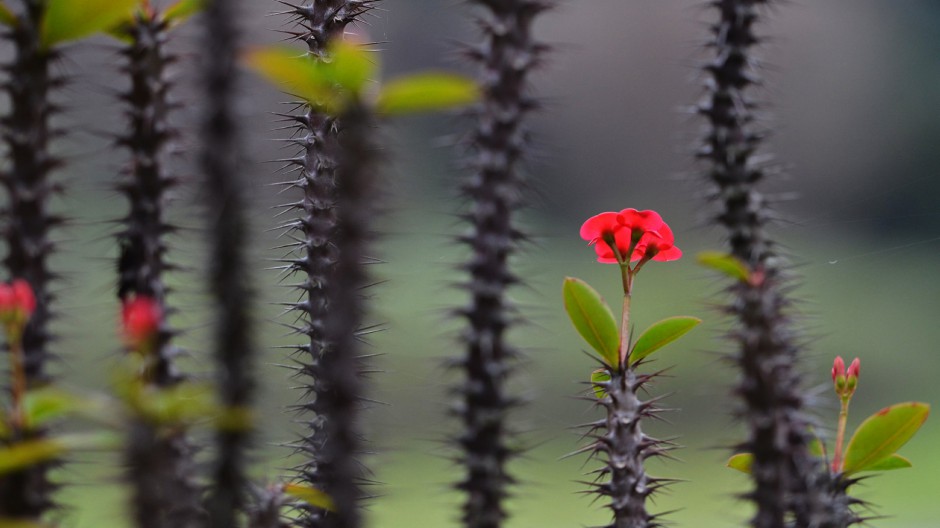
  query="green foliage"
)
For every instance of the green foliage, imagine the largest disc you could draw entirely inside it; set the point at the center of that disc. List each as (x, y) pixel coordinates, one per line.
(45, 405)
(67, 20)
(20, 523)
(661, 334)
(6, 16)
(598, 377)
(332, 85)
(426, 92)
(310, 495)
(741, 462)
(882, 434)
(32, 452)
(183, 9)
(726, 264)
(592, 318)
(894, 461)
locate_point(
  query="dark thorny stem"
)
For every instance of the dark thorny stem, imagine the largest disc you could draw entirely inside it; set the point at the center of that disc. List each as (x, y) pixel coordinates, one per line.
(160, 463)
(791, 485)
(224, 189)
(27, 132)
(342, 473)
(620, 443)
(506, 57)
(313, 257)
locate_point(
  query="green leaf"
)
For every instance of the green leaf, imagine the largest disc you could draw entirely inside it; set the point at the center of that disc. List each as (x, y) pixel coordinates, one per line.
(427, 92)
(310, 495)
(894, 461)
(183, 403)
(183, 9)
(661, 334)
(298, 75)
(349, 65)
(598, 377)
(726, 264)
(6, 16)
(742, 462)
(43, 405)
(592, 318)
(882, 434)
(66, 20)
(30, 453)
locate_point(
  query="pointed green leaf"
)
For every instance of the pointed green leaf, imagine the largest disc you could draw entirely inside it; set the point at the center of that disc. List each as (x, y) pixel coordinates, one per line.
(427, 92)
(894, 461)
(6, 16)
(599, 377)
(310, 495)
(30, 453)
(592, 318)
(182, 10)
(742, 462)
(661, 334)
(43, 405)
(882, 434)
(66, 20)
(724, 263)
(297, 74)
(350, 66)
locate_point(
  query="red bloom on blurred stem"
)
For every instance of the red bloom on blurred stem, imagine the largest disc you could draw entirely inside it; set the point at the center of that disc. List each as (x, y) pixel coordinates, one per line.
(141, 318)
(644, 231)
(838, 368)
(17, 303)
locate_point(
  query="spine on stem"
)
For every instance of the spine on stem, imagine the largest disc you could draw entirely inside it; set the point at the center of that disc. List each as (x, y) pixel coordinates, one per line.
(789, 482)
(27, 131)
(160, 465)
(312, 259)
(229, 276)
(506, 57)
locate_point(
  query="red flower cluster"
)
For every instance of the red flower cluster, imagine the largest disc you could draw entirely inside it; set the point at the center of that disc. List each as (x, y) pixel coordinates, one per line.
(643, 231)
(17, 303)
(141, 318)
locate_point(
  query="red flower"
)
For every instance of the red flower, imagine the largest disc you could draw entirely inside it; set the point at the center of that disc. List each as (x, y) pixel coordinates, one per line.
(644, 231)
(17, 302)
(141, 318)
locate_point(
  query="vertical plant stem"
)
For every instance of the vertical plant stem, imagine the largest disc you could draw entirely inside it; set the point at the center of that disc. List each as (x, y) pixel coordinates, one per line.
(160, 465)
(340, 370)
(506, 57)
(230, 279)
(314, 256)
(788, 480)
(27, 131)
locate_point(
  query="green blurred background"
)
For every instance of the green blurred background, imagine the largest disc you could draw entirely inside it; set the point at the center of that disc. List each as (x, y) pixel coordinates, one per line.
(853, 91)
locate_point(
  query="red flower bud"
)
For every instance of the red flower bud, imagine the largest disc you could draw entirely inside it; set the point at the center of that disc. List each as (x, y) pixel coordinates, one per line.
(141, 318)
(838, 368)
(17, 304)
(854, 368)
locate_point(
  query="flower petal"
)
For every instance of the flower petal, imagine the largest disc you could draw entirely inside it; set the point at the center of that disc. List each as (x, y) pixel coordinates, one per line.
(597, 225)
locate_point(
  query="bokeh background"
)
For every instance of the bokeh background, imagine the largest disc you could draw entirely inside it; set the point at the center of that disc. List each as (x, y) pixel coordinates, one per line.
(853, 100)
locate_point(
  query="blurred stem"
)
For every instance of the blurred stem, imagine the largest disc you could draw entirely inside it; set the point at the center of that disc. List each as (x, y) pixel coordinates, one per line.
(18, 373)
(840, 436)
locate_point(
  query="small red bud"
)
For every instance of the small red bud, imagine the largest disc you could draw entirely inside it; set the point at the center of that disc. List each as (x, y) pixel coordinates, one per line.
(854, 369)
(141, 318)
(838, 368)
(17, 304)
